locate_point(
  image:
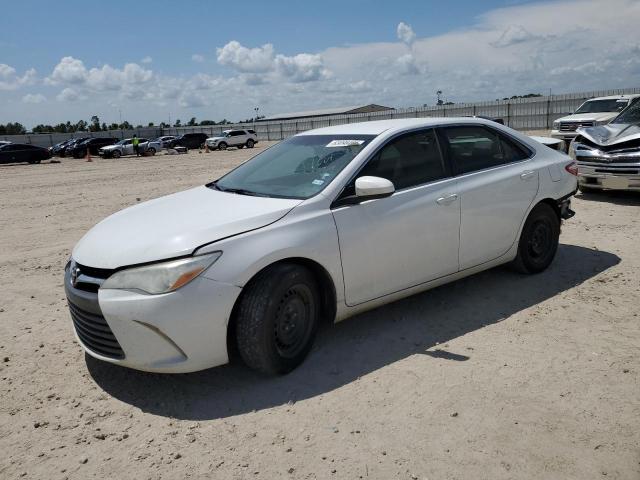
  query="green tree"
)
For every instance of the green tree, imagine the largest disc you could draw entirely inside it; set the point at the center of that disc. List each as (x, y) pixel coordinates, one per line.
(94, 126)
(192, 122)
(178, 123)
(104, 127)
(151, 124)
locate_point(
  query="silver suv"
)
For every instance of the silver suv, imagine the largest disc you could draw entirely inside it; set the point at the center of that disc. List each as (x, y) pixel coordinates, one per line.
(233, 138)
(239, 138)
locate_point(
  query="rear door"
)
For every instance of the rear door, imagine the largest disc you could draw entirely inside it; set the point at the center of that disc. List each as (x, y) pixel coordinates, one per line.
(497, 184)
(393, 243)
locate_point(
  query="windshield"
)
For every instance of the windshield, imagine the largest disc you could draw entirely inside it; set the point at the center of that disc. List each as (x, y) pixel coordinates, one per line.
(629, 115)
(601, 106)
(123, 142)
(298, 167)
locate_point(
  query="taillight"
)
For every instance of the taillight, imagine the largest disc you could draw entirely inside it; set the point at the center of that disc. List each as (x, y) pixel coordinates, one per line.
(572, 168)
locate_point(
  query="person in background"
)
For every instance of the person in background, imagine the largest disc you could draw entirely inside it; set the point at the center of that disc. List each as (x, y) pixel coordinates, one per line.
(136, 145)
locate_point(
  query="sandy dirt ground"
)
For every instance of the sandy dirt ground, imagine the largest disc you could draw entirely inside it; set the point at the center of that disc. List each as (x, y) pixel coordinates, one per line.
(498, 376)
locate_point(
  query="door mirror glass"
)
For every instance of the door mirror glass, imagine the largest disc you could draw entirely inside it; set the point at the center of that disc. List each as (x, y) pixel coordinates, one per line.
(374, 187)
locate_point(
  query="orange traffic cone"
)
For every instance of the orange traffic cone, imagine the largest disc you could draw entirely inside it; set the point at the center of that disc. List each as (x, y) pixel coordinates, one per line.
(89, 156)
(206, 148)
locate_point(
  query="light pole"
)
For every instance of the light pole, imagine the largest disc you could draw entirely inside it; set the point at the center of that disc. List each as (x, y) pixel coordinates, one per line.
(254, 117)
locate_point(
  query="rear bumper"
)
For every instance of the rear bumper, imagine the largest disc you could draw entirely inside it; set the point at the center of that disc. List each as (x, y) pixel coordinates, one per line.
(178, 332)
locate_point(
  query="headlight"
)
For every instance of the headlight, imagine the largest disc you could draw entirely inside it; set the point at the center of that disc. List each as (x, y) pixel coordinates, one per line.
(161, 277)
(556, 125)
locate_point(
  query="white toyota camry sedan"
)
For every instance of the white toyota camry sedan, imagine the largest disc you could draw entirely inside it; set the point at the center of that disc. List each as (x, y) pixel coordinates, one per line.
(317, 228)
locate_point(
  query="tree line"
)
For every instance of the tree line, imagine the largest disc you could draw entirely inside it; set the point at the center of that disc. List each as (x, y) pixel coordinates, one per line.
(94, 125)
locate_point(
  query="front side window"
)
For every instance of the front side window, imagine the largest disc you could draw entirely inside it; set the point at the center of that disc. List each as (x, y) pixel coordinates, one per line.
(473, 148)
(407, 161)
(298, 167)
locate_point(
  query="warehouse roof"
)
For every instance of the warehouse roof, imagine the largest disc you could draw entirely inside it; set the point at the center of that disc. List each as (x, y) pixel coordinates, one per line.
(372, 107)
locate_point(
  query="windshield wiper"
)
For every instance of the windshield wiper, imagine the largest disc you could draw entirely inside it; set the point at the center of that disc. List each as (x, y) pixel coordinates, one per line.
(239, 191)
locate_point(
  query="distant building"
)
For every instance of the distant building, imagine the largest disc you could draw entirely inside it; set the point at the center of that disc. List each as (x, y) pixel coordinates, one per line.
(372, 107)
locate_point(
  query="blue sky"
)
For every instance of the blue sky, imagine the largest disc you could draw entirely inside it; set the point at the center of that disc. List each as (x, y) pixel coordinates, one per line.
(211, 60)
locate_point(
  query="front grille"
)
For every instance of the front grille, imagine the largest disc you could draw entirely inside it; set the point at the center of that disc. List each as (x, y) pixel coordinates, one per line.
(608, 160)
(573, 126)
(94, 332)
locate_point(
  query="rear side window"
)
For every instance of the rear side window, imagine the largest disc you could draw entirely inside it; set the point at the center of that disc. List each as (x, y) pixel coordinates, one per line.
(473, 148)
(409, 160)
(252, 132)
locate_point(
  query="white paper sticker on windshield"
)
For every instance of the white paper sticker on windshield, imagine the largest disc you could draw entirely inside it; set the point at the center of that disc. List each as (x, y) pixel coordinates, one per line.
(318, 182)
(344, 143)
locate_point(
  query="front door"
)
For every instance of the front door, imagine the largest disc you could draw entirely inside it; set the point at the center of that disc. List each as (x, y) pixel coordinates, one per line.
(393, 243)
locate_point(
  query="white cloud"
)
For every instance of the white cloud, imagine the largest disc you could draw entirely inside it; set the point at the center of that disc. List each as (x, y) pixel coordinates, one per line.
(405, 33)
(34, 98)
(248, 60)
(407, 65)
(68, 71)
(196, 57)
(513, 35)
(10, 80)
(69, 95)
(303, 67)
(147, 60)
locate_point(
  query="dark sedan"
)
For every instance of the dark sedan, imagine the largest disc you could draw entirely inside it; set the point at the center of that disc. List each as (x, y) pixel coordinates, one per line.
(79, 150)
(64, 151)
(20, 152)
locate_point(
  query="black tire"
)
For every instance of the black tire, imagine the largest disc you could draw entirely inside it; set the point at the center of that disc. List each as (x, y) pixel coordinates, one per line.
(539, 240)
(250, 143)
(151, 151)
(116, 154)
(585, 189)
(222, 146)
(277, 319)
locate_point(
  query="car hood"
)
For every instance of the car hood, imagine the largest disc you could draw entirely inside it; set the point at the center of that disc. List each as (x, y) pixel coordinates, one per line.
(611, 134)
(589, 117)
(110, 147)
(174, 226)
(215, 138)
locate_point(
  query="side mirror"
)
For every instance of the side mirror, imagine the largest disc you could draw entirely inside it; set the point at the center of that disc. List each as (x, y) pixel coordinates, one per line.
(373, 187)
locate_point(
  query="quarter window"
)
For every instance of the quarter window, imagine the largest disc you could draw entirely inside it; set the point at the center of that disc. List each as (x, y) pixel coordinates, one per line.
(410, 160)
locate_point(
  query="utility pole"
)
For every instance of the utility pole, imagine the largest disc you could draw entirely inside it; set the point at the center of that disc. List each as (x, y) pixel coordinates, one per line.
(255, 117)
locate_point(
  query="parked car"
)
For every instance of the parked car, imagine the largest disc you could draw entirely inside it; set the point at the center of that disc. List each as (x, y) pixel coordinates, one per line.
(165, 141)
(20, 152)
(4, 142)
(608, 156)
(93, 145)
(55, 150)
(125, 147)
(593, 112)
(553, 143)
(322, 226)
(189, 140)
(63, 152)
(233, 138)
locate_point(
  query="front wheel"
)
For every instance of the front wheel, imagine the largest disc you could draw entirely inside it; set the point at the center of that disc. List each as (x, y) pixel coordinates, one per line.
(250, 143)
(151, 151)
(116, 154)
(222, 146)
(538, 240)
(277, 319)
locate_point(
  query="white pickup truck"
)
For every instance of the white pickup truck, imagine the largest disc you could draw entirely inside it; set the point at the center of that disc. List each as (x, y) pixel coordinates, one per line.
(593, 112)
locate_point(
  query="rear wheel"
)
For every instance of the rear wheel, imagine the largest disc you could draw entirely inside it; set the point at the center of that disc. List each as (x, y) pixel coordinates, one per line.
(585, 189)
(250, 143)
(277, 319)
(222, 146)
(538, 240)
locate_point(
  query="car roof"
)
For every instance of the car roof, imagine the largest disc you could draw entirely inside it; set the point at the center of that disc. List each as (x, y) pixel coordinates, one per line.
(376, 127)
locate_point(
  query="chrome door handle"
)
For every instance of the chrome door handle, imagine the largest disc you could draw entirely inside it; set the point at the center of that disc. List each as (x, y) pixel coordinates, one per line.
(447, 199)
(528, 174)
